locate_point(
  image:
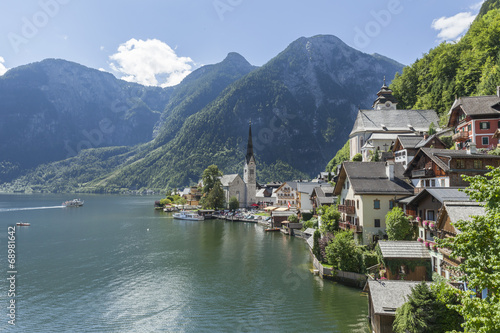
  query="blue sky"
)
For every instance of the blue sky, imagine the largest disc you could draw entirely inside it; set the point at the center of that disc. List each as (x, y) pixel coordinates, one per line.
(158, 42)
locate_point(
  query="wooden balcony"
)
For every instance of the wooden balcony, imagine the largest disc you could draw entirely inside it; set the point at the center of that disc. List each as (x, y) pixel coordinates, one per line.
(347, 209)
(348, 226)
(460, 136)
(420, 173)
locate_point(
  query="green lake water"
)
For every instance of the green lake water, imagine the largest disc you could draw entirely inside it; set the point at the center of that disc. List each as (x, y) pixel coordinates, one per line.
(117, 265)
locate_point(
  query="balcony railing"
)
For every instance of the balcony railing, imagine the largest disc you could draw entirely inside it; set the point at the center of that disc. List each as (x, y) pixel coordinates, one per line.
(422, 173)
(347, 209)
(349, 226)
(460, 136)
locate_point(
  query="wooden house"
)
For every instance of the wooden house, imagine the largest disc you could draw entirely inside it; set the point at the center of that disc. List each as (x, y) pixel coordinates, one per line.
(405, 260)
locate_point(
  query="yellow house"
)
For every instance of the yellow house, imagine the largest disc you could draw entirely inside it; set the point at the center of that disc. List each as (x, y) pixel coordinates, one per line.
(366, 192)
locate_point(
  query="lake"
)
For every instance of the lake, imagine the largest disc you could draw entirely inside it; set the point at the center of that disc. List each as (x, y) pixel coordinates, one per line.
(117, 265)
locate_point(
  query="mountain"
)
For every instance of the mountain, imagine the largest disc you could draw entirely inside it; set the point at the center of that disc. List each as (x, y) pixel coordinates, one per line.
(469, 67)
(53, 109)
(301, 104)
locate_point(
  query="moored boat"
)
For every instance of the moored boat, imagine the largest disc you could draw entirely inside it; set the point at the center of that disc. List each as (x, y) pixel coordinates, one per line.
(183, 215)
(73, 203)
(22, 224)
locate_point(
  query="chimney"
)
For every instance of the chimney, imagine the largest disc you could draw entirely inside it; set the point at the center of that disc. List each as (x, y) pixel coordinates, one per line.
(471, 148)
(389, 169)
(498, 91)
(426, 136)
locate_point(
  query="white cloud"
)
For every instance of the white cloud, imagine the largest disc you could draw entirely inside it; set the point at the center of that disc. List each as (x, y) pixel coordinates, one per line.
(450, 28)
(3, 69)
(477, 6)
(151, 62)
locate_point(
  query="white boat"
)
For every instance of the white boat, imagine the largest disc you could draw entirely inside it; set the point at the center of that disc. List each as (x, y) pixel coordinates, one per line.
(73, 203)
(183, 215)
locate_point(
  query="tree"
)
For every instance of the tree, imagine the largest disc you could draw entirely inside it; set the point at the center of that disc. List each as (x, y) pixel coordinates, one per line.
(398, 226)
(357, 158)
(479, 242)
(432, 129)
(293, 218)
(316, 249)
(213, 194)
(342, 155)
(375, 156)
(234, 203)
(330, 219)
(343, 253)
(419, 313)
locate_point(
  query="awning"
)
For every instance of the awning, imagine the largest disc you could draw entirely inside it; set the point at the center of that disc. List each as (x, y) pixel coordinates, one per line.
(282, 209)
(270, 208)
(255, 205)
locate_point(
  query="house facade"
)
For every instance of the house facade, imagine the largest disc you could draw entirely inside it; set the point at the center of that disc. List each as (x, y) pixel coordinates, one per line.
(444, 168)
(366, 192)
(475, 119)
(407, 146)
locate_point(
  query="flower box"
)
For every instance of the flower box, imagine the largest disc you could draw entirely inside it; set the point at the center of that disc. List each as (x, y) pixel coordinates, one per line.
(432, 225)
(434, 247)
(425, 223)
(427, 244)
(420, 240)
(418, 219)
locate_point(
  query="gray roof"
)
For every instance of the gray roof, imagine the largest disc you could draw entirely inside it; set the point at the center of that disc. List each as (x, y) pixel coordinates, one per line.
(394, 120)
(228, 179)
(389, 295)
(309, 231)
(442, 194)
(371, 178)
(478, 105)
(403, 249)
(310, 242)
(462, 210)
(410, 141)
(325, 200)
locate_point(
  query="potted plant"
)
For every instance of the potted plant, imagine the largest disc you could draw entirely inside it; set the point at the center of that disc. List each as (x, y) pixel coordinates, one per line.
(418, 219)
(427, 244)
(432, 225)
(425, 223)
(435, 247)
(420, 240)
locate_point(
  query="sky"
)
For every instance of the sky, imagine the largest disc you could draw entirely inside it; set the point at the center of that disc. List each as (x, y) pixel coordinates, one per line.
(159, 42)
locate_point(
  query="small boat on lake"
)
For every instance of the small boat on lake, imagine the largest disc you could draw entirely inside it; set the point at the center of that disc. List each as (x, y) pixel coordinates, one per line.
(183, 215)
(273, 229)
(22, 224)
(73, 203)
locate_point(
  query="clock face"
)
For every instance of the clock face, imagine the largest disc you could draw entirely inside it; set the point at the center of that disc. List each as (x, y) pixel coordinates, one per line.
(387, 104)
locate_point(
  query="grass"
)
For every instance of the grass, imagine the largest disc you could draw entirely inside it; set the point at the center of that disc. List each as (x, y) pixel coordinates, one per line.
(262, 214)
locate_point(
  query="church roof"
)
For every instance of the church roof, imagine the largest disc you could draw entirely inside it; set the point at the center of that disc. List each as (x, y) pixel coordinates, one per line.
(249, 155)
(228, 179)
(398, 121)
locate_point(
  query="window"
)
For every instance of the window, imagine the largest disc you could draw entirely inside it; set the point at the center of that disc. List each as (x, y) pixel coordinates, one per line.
(357, 202)
(377, 223)
(460, 164)
(376, 204)
(430, 215)
(391, 204)
(478, 164)
(433, 183)
(484, 125)
(486, 141)
(469, 128)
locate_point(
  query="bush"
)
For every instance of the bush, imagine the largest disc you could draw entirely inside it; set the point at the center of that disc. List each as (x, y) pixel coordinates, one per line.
(293, 218)
(357, 158)
(306, 216)
(343, 253)
(370, 258)
(312, 223)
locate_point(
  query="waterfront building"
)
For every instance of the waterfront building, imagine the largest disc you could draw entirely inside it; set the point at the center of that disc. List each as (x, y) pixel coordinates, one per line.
(366, 192)
(405, 260)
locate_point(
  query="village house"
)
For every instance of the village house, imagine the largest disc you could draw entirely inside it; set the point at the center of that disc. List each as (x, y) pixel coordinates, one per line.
(475, 119)
(192, 195)
(384, 298)
(452, 212)
(405, 260)
(322, 196)
(406, 146)
(377, 129)
(366, 192)
(433, 167)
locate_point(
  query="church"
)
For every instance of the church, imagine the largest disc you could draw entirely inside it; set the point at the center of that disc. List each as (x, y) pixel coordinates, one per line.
(377, 129)
(245, 190)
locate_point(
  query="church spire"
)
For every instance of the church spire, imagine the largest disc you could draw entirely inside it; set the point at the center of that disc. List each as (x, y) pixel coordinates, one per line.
(250, 143)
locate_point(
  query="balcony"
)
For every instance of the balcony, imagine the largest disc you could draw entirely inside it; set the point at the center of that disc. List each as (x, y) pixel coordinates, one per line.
(422, 173)
(460, 136)
(349, 226)
(347, 209)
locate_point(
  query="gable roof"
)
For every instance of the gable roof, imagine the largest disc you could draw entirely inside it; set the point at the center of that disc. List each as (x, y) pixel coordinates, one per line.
(228, 179)
(389, 295)
(442, 156)
(442, 194)
(478, 105)
(459, 210)
(403, 249)
(409, 141)
(371, 178)
(402, 121)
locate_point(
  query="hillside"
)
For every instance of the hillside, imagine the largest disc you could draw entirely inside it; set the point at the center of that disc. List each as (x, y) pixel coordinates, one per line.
(469, 67)
(302, 105)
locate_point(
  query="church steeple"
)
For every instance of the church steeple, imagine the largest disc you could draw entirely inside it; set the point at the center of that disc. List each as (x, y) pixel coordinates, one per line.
(385, 99)
(250, 144)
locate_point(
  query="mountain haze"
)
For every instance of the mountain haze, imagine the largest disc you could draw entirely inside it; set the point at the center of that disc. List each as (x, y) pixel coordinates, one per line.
(301, 104)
